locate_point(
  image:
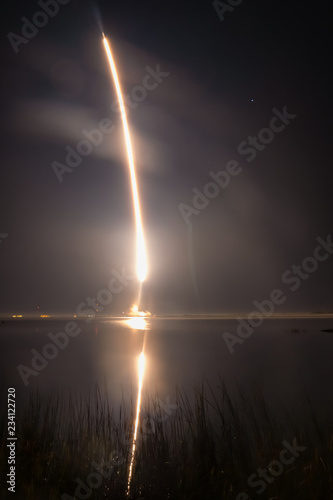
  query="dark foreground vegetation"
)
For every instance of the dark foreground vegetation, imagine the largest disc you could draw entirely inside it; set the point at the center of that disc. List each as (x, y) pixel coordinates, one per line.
(213, 448)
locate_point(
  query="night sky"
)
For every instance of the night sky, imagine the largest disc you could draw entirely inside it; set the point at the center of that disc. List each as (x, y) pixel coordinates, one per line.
(219, 77)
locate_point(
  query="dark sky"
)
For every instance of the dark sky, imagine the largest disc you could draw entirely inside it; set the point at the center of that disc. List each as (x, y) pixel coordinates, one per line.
(222, 80)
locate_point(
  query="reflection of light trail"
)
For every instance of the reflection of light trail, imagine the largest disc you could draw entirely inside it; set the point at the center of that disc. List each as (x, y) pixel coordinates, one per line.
(141, 251)
(137, 323)
(138, 407)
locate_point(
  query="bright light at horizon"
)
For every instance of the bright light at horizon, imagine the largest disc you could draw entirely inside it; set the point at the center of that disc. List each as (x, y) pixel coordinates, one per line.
(137, 323)
(141, 250)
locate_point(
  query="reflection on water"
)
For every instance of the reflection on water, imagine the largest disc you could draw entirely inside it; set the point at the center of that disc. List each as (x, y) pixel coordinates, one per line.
(137, 323)
(136, 423)
(142, 360)
(178, 353)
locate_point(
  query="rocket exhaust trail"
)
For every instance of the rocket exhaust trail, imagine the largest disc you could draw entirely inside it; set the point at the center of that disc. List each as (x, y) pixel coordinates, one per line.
(141, 263)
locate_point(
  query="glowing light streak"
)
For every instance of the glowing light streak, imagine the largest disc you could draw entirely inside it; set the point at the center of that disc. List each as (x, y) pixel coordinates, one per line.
(141, 263)
(137, 323)
(138, 408)
(141, 250)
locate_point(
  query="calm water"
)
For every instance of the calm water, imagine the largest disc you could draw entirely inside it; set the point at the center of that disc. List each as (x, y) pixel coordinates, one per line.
(285, 364)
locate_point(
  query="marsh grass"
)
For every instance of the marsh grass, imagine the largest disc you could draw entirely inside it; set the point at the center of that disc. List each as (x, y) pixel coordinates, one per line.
(206, 448)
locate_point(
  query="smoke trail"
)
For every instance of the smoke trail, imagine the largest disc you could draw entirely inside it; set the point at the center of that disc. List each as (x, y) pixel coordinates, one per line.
(192, 266)
(97, 16)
